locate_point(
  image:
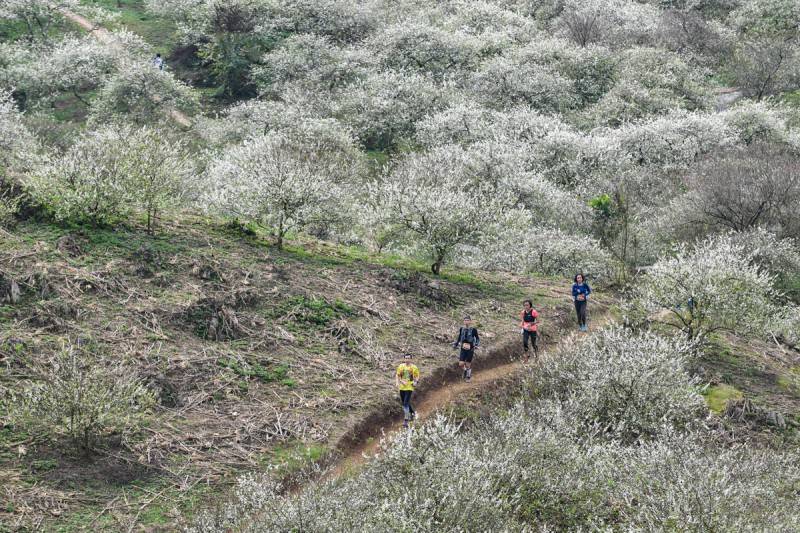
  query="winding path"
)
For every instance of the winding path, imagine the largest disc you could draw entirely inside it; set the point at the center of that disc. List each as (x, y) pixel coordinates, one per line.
(104, 36)
(445, 392)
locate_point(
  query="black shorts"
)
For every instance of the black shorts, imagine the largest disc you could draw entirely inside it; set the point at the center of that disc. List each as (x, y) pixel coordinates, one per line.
(466, 355)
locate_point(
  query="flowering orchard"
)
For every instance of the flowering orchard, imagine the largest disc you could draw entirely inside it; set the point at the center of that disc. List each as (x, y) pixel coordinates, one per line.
(615, 432)
(650, 144)
(531, 113)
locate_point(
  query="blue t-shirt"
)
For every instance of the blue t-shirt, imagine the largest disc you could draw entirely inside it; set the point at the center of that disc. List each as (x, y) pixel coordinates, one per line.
(583, 288)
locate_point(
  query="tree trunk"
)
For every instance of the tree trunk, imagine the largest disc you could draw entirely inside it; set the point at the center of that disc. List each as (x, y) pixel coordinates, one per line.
(436, 267)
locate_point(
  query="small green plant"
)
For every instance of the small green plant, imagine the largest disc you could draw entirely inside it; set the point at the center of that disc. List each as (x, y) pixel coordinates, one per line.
(279, 373)
(717, 397)
(44, 465)
(314, 311)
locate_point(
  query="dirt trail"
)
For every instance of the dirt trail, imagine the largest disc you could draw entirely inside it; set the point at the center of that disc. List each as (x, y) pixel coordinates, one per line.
(444, 393)
(104, 36)
(427, 406)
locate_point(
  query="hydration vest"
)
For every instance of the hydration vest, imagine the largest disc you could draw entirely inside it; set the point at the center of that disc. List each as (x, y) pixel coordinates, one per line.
(529, 320)
(467, 336)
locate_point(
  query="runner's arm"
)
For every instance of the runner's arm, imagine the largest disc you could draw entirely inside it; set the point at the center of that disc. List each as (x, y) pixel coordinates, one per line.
(458, 339)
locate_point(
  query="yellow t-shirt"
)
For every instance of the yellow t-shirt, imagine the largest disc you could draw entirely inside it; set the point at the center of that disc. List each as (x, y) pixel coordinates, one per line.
(407, 374)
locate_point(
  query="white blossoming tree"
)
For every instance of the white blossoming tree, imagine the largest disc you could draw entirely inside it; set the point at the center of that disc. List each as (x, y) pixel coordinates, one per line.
(441, 203)
(86, 184)
(503, 82)
(17, 145)
(413, 45)
(383, 109)
(15, 139)
(158, 171)
(276, 181)
(75, 65)
(310, 63)
(112, 172)
(141, 94)
(81, 397)
(715, 285)
(38, 15)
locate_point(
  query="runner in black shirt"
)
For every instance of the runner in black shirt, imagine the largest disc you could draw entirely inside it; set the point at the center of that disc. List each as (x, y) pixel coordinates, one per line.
(467, 341)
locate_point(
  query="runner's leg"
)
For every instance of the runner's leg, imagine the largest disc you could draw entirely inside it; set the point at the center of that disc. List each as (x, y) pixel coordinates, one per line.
(405, 397)
(525, 336)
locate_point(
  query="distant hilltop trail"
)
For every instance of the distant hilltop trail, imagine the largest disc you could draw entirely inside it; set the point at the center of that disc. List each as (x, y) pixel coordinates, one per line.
(104, 36)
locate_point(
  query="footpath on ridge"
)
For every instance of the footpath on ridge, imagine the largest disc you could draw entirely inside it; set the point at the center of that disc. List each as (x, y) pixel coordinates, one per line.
(444, 386)
(104, 36)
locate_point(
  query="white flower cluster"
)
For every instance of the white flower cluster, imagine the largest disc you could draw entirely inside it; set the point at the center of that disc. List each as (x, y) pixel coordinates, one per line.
(719, 283)
(611, 439)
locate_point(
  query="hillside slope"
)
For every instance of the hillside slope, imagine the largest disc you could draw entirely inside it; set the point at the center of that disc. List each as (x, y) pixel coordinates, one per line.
(259, 357)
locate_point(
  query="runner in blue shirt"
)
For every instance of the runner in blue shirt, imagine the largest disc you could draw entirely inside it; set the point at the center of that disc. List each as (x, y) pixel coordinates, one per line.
(580, 294)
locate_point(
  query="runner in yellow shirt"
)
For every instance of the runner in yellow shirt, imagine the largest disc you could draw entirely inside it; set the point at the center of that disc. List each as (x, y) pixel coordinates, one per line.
(406, 379)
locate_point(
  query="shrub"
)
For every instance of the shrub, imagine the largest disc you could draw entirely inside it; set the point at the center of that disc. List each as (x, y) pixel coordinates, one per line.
(87, 183)
(525, 471)
(717, 284)
(158, 171)
(627, 386)
(82, 397)
(110, 173)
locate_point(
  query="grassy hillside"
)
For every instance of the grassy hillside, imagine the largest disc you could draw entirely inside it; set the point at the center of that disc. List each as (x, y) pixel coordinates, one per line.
(260, 358)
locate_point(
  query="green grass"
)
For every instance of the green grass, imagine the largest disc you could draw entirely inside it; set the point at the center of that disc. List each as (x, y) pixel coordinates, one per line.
(314, 311)
(292, 458)
(11, 30)
(158, 512)
(792, 98)
(133, 15)
(717, 397)
(790, 383)
(279, 373)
